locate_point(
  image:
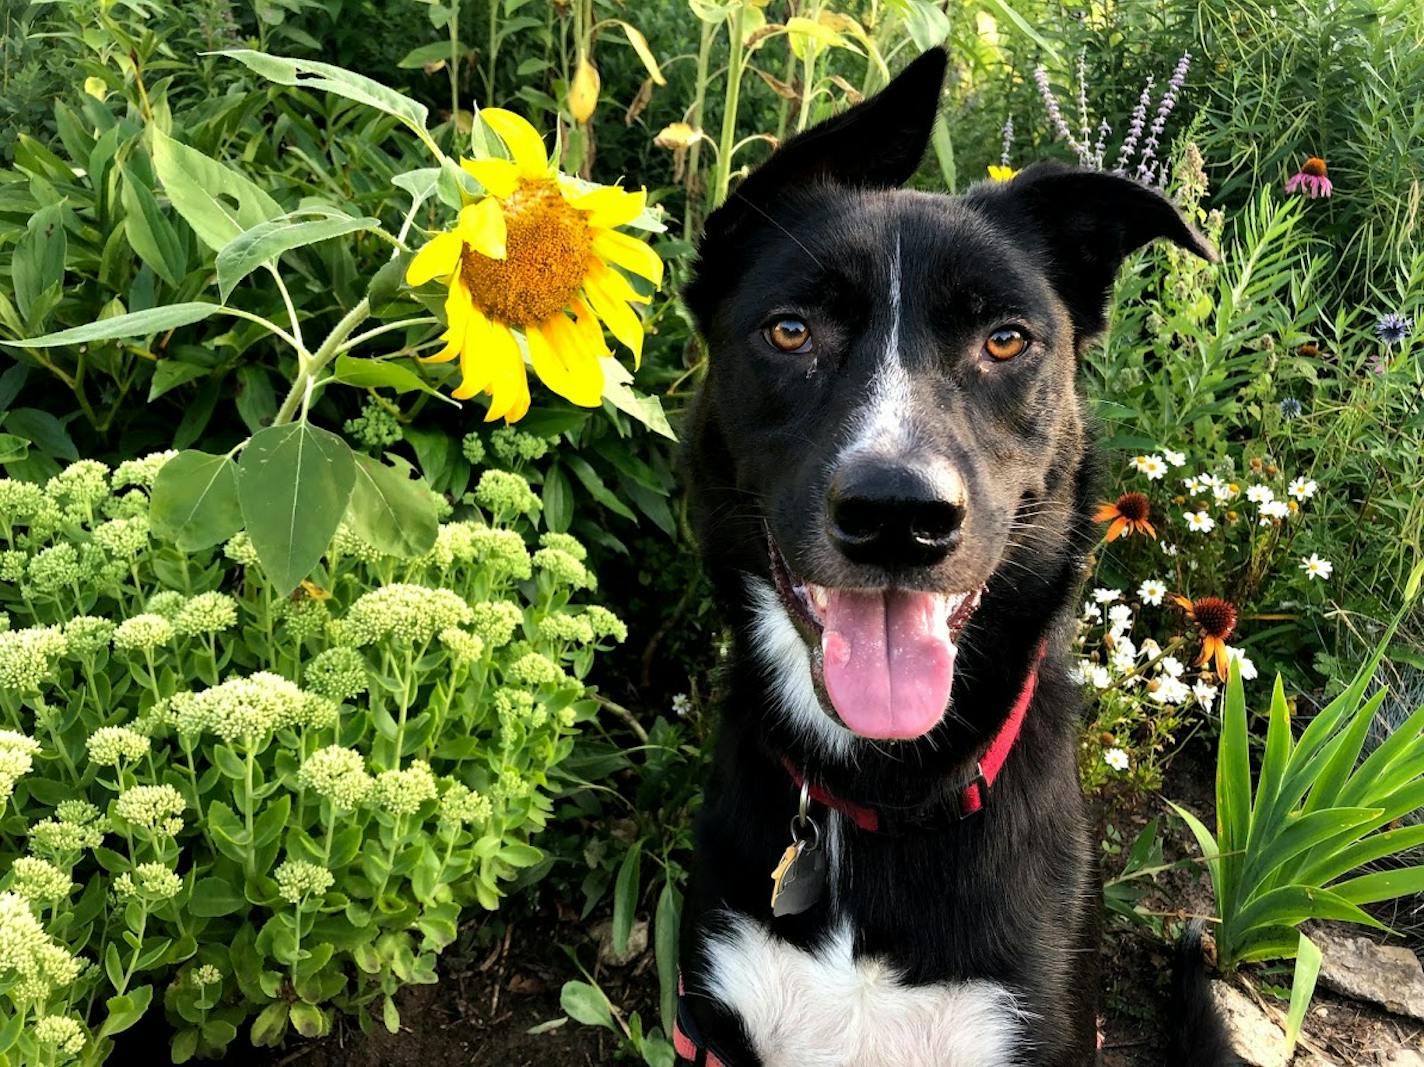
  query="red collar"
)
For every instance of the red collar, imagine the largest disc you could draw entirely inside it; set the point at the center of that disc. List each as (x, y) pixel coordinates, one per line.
(972, 794)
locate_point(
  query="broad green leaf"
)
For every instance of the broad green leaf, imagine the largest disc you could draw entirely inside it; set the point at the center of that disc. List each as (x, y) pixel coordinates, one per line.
(1343, 753)
(126, 1010)
(1338, 862)
(1294, 835)
(12, 448)
(37, 262)
(308, 1019)
(1233, 789)
(392, 508)
(42, 430)
(214, 897)
(1307, 970)
(1207, 843)
(133, 324)
(294, 483)
(170, 373)
(667, 925)
(381, 374)
(586, 1004)
(943, 143)
(266, 241)
(558, 500)
(195, 502)
(310, 74)
(151, 235)
(1381, 885)
(1273, 764)
(518, 854)
(625, 897)
(585, 473)
(1007, 11)
(217, 201)
(646, 409)
(1402, 741)
(270, 1024)
(1291, 905)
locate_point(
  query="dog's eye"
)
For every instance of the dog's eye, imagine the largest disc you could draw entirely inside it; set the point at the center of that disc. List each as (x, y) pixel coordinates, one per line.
(789, 335)
(1005, 343)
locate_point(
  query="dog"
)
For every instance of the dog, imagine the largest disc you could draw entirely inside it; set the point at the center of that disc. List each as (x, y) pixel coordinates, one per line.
(891, 482)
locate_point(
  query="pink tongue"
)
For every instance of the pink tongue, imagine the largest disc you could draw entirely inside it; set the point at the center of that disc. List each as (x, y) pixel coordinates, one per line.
(888, 661)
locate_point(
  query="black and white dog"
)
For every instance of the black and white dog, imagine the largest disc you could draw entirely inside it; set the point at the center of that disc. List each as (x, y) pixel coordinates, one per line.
(891, 479)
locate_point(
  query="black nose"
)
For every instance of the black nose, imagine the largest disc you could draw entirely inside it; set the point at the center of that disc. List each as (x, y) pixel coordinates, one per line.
(895, 513)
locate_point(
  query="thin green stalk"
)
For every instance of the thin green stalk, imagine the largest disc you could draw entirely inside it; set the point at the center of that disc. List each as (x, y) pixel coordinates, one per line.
(690, 214)
(250, 859)
(308, 367)
(736, 47)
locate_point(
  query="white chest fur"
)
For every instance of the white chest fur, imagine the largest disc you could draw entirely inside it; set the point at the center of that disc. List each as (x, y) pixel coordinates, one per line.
(828, 1009)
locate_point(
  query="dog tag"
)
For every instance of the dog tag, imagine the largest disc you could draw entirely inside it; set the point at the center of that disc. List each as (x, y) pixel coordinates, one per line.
(799, 879)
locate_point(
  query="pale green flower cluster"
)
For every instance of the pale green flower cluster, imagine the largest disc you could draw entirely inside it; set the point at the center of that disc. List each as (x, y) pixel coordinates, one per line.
(87, 634)
(605, 623)
(298, 879)
(339, 775)
(462, 806)
(111, 745)
(165, 602)
(566, 629)
(472, 447)
(376, 427)
(513, 446)
(349, 544)
(506, 494)
(499, 553)
(304, 618)
(21, 501)
(534, 669)
(39, 880)
(206, 974)
(79, 489)
(65, 1034)
(30, 954)
(239, 549)
(140, 472)
(565, 543)
(77, 826)
(405, 613)
(338, 673)
(17, 753)
(494, 621)
(12, 566)
(206, 613)
(564, 568)
(464, 647)
(156, 808)
(148, 881)
(123, 538)
(244, 708)
(143, 633)
(28, 657)
(403, 792)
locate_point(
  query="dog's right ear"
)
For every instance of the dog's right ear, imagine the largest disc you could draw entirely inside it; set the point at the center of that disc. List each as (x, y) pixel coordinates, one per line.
(877, 144)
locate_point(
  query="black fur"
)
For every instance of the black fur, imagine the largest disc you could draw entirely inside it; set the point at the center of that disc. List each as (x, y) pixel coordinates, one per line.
(1012, 893)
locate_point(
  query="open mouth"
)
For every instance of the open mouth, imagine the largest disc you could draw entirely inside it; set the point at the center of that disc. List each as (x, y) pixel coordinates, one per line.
(884, 657)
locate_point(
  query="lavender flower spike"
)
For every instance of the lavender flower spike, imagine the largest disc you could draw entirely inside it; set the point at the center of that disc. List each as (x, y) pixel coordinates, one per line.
(1055, 112)
(1159, 121)
(1008, 140)
(1135, 128)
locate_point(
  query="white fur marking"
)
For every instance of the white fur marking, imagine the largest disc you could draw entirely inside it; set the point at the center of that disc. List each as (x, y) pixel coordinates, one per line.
(787, 662)
(828, 1009)
(883, 427)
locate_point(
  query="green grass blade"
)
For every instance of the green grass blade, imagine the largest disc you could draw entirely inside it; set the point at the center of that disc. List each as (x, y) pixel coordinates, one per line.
(1393, 751)
(1210, 852)
(1381, 885)
(1336, 863)
(1345, 753)
(1296, 834)
(1291, 905)
(1233, 789)
(1307, 970)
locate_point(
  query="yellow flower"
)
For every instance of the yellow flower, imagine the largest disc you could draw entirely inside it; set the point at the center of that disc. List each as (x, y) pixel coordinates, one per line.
(535, 255)
(1001, 174)
(583, 91)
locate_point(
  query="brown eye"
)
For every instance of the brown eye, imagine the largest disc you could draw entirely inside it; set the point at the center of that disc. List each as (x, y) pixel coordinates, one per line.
(1005, 343)
(789, 335)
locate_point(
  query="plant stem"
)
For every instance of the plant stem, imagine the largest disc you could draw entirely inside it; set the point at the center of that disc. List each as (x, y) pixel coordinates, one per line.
(308, 367)
(723, 172)
(693, 180)
(250, 862)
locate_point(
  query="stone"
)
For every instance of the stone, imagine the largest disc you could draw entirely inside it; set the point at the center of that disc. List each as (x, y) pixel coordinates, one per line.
(1402, 1057)
(1257, 1040)
(1387, 975)
(637, 943)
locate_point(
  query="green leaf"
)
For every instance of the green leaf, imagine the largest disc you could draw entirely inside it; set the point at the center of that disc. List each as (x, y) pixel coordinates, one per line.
(392, 508)
(133, 324)
(667, 925)
(625, 897)
(266, 241)
(943, 143)
(1295, 835)
(215, 200)
(1381, 885)
(12, 448)
(586, 1004)
(558, 500)
(195, 502)
(42, 430)
(308, 1019)
(1292, 905)
(1211, 853)
(215, 897)
(1006, 11)
(170, 373)
(1307, 970)
(517, 854)
(1343, 753)
(294, 483)
(383, 374)
(37, 263)
(126, 1010)
(646, 409)
(151, 235)
(309, 74)
(270, 1024)
(1233, 790)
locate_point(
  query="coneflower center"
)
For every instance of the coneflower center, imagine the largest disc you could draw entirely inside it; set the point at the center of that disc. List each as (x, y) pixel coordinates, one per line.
(1314, 166)
(549, 243)
(1216, 617)
(1134, 507)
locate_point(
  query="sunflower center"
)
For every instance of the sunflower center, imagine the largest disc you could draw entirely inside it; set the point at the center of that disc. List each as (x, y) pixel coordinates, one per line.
(1216, 617)
(1314, 166)
(548, 242)
(1134, 507)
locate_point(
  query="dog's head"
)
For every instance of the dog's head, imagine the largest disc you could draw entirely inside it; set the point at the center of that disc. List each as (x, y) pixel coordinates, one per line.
(887, 448)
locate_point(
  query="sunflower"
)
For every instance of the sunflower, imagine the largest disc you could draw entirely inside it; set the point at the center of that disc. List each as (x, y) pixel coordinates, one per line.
(1216, 619)
(1129, 513)
(535, 256)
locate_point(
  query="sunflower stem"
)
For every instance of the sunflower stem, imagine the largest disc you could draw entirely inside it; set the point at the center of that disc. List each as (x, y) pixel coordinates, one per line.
(694, 117)
(309, 366)
(736, 48)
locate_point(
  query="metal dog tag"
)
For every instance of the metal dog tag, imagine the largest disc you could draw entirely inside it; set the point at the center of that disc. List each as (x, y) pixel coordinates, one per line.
(799, 879)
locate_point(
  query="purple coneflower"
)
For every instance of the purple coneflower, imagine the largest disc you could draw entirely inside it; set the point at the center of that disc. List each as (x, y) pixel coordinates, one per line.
(1393, 328)
(1312, 179)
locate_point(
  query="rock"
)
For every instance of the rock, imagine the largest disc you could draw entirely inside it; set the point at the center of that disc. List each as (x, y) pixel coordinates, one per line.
(1387, 975)
(637, 943)
(1257, 1040)
(1402, 1057)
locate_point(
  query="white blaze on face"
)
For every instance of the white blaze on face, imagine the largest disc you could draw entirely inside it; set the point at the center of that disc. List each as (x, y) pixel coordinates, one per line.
(828, 1008)
(882, 426)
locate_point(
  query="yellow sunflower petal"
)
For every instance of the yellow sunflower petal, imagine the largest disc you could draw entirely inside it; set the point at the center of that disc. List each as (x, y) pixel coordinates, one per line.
(458, 308)
(482, 228)
(630, 254)
(586, 322)
(474, 350)
(609, 205)
(509, 384)
(523, 141)
(615, 284)
(621, 320)
(437, 259)
(563, 364)
(499, 177)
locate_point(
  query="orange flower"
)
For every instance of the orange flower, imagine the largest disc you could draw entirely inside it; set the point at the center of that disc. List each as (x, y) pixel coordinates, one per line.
(1129, 513)
(1216, 619)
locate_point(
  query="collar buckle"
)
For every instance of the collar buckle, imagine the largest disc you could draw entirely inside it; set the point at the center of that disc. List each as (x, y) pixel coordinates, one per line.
(974, 794)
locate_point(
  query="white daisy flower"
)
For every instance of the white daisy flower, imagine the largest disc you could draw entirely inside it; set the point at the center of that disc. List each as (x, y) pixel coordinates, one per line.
(1224, 491)
(1150, 649)
(1303, 488)
(1171, 666)
(1171, 691)
(1274, 509)
(1152, 466)
(1168, 548)
(1120, 615)
(1107, 596)
(1247, 668)
(1176, 459)
(1260, 494)
(1194, 484)
(1100, 677)
(1116, 758)
(1205, 694)
(1199, 521)
(1151, 592)
(1092, 613)
(1315, 567)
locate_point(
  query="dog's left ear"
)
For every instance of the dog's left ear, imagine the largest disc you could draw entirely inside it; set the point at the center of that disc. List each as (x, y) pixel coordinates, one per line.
(1088, 222)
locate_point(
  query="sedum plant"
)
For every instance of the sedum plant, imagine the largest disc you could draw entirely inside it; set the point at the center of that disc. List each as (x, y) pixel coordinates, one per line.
(1291, 849)
(261, 808)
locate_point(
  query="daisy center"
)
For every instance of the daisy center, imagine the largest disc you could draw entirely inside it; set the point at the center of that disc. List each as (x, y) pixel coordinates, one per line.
(548, 243)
